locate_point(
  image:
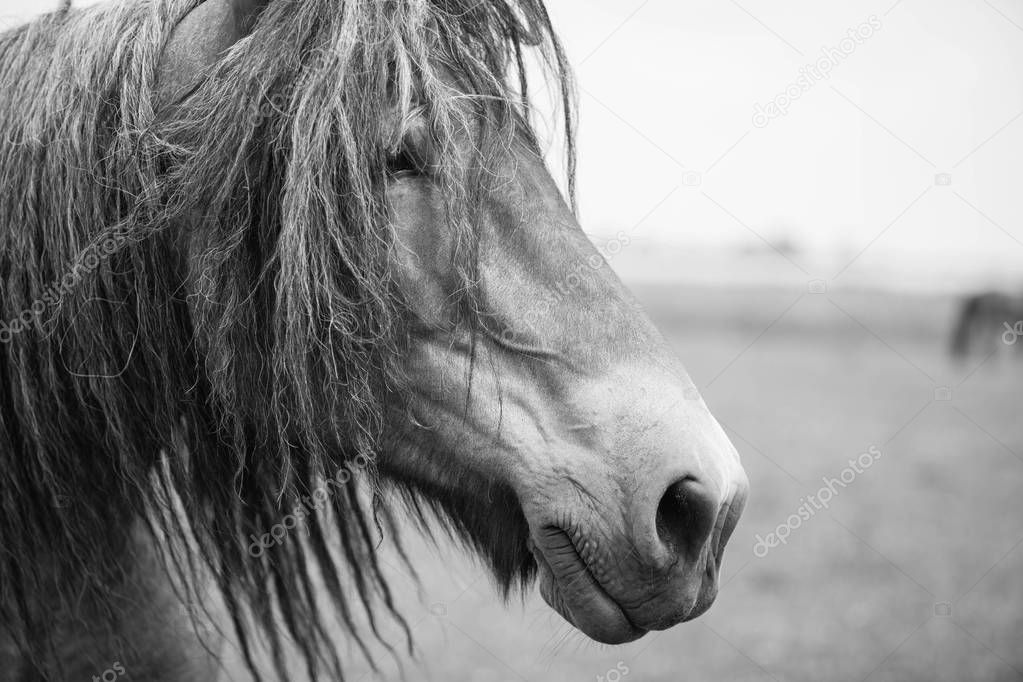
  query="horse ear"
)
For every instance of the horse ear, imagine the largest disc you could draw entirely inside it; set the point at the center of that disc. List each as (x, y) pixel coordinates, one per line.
(198, 41)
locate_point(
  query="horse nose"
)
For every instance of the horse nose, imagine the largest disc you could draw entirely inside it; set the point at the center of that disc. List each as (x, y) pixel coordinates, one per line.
(686, 516)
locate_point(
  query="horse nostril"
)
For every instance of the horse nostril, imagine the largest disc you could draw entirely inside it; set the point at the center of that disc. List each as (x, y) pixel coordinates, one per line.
(685, 516)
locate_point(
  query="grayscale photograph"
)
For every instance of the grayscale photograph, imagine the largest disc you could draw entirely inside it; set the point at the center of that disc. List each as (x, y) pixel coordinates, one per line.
(511, 341)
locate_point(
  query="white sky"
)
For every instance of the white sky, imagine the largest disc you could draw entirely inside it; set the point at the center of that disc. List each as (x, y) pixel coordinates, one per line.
(937, 80)
(667, 91)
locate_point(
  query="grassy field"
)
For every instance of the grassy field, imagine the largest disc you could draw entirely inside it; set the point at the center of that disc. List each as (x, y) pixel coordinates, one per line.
(908, 575)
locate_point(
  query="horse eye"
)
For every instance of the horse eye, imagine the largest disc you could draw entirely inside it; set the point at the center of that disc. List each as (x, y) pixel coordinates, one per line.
(402, 163)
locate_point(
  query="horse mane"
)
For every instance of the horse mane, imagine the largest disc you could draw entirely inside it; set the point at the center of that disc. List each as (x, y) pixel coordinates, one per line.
(188, 288)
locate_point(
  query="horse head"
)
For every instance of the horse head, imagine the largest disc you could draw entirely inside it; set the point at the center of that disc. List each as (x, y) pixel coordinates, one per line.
(530, 401)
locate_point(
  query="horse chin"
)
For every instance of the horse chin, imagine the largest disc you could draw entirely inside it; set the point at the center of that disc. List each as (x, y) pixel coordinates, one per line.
(570, 588)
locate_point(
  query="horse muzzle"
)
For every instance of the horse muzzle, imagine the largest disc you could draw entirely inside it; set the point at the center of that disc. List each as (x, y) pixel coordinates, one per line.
(631, 543)
(616, 591)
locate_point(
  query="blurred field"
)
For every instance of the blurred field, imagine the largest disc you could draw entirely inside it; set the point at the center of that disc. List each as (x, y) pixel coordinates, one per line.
(802, 382)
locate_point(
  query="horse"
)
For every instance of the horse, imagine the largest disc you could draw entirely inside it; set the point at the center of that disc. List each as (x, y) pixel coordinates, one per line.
(992, 320)
(277, 262)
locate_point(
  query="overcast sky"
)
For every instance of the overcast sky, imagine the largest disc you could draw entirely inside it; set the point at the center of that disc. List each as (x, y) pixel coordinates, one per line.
(669, 148)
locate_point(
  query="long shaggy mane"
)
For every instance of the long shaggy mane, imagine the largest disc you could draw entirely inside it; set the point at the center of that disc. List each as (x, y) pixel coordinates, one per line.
(197, 298)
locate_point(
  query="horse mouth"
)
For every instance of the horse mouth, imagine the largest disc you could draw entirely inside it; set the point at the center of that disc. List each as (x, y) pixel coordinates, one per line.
(569, 587)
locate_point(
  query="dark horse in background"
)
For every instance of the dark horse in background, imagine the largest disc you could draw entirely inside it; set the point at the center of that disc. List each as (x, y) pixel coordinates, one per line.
(245, 246)
(991, 322)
